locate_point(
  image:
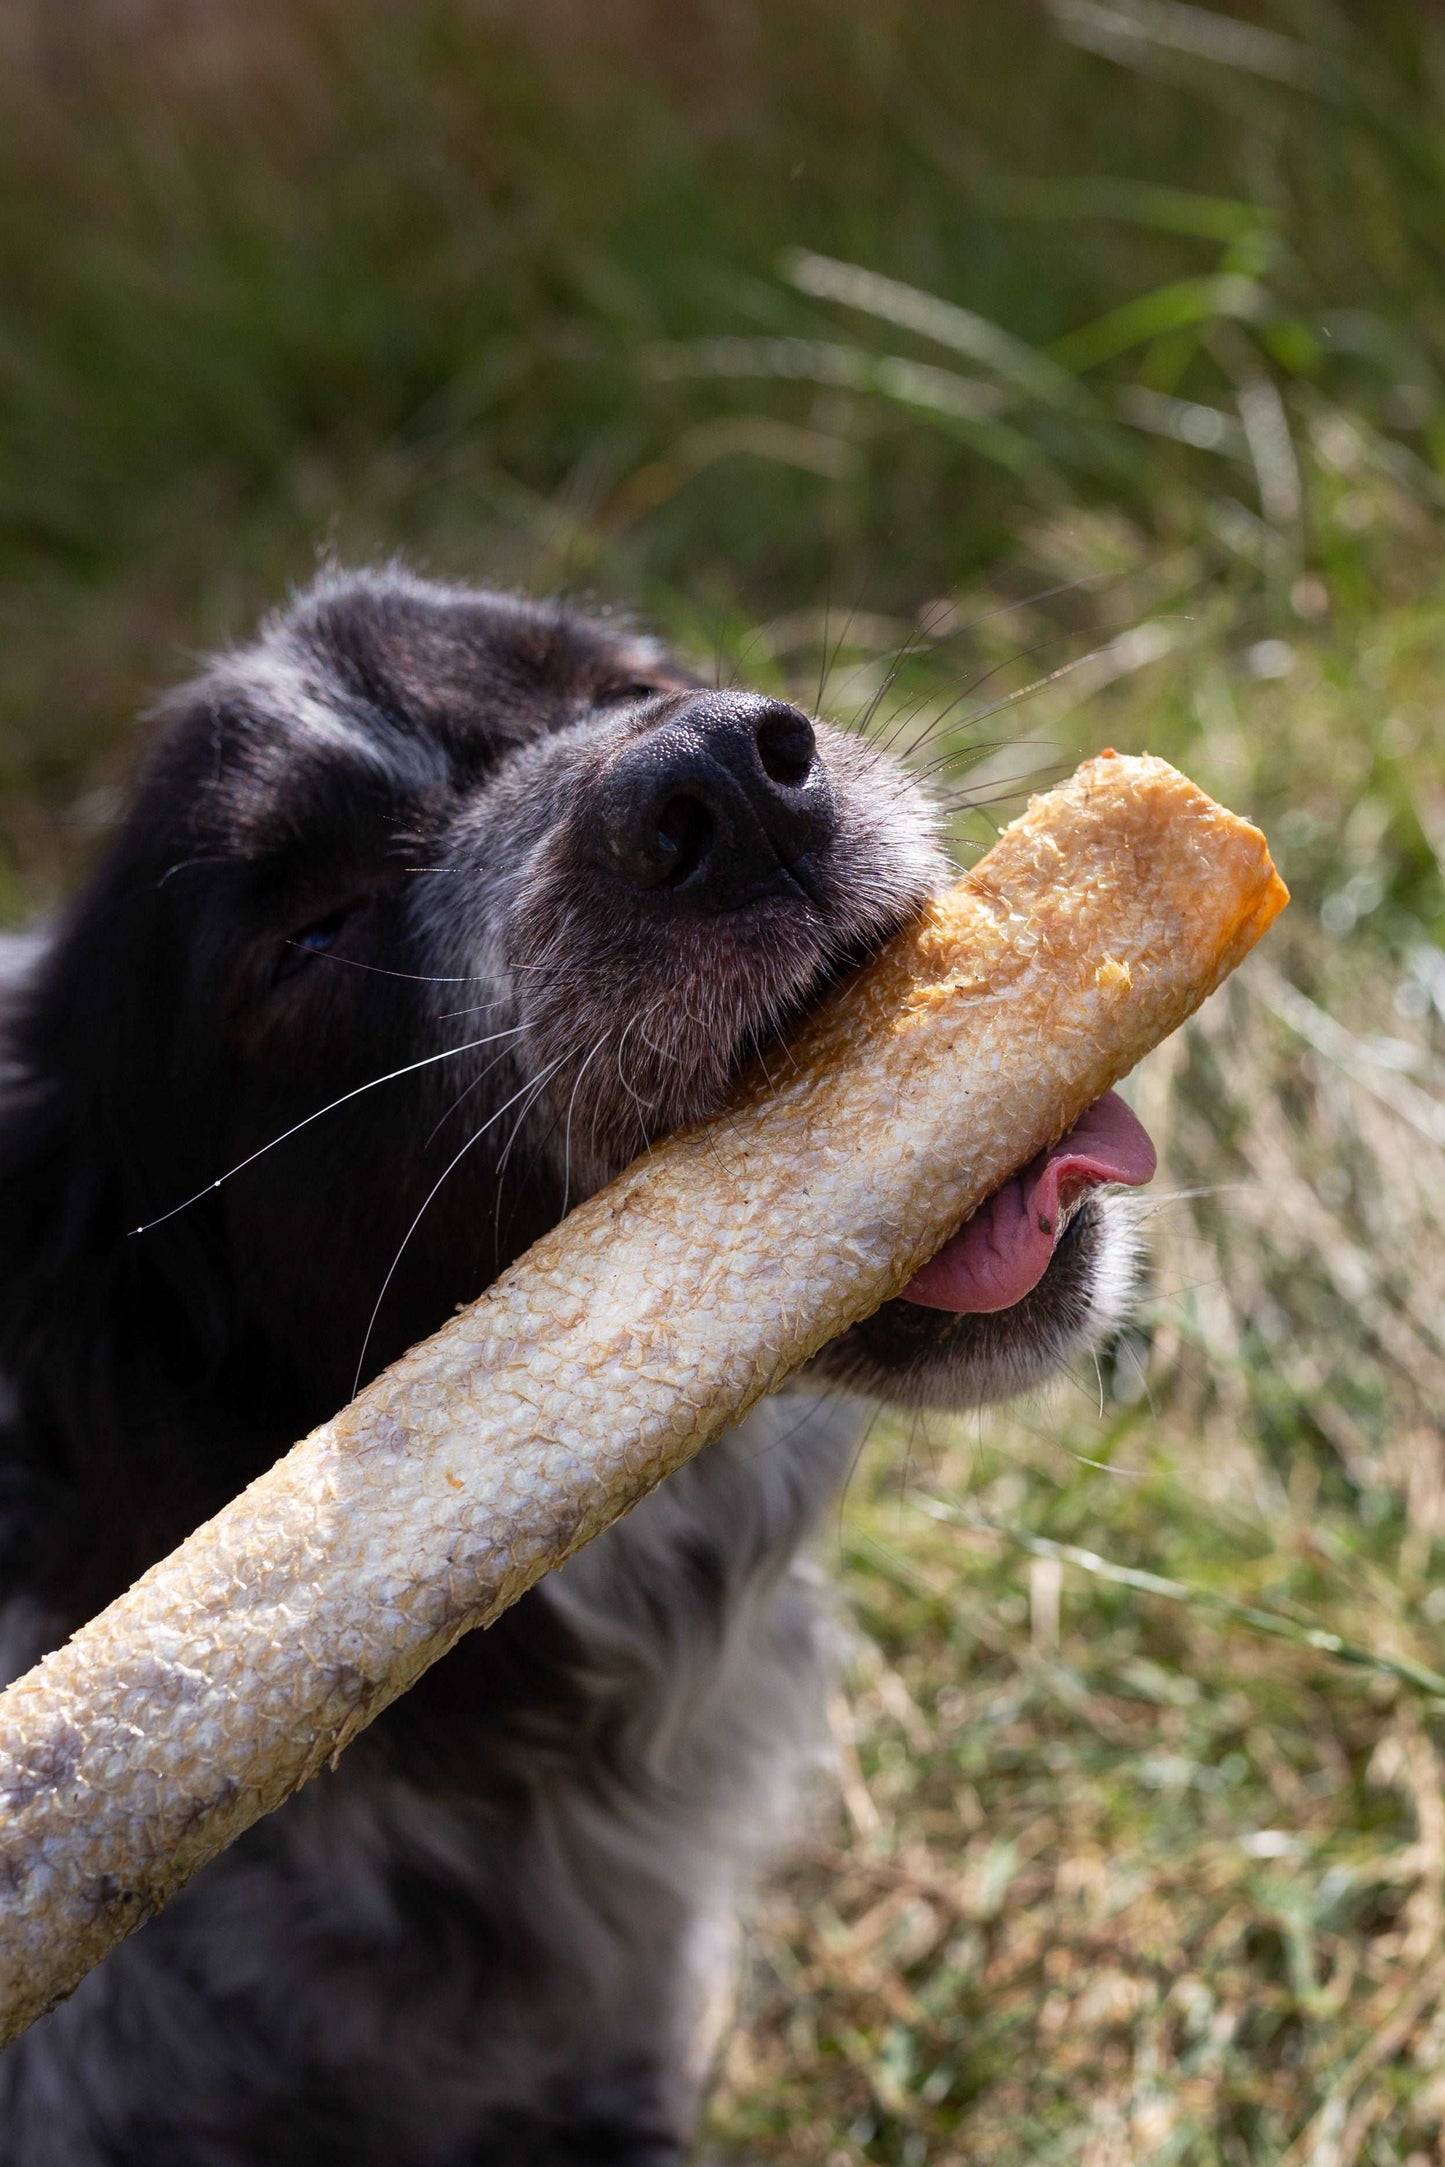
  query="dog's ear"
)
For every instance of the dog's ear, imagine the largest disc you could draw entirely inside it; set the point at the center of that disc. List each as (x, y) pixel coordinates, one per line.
(107, 1118)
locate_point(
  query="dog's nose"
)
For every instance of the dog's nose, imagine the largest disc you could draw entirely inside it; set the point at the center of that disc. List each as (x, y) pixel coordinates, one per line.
(724, 802)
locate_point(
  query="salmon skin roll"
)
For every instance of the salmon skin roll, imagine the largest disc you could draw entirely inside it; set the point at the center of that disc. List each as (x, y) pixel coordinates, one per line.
(879, 1154)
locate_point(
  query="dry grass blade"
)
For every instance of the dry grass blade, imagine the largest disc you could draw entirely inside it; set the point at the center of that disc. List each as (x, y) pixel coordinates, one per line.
(1275, 1622)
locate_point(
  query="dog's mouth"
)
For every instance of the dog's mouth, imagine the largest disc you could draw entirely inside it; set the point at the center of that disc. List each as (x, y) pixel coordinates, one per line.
(1002, 1251)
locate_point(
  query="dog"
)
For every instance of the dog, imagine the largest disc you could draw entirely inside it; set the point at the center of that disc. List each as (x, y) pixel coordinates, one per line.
(432, 908)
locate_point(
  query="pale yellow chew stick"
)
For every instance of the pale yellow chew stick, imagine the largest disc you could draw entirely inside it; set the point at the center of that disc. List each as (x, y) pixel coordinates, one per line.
(626, 1339)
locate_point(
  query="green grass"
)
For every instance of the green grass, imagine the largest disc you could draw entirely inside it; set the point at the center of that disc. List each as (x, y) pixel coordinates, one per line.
(928, 356)
(1127, 1871)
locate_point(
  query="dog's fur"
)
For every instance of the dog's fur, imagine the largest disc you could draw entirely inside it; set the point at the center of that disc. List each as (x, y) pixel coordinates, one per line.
(492, 1934)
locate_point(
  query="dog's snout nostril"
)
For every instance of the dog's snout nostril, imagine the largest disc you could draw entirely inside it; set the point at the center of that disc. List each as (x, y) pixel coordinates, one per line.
(685, 829)
(722, 801)
(786, 746)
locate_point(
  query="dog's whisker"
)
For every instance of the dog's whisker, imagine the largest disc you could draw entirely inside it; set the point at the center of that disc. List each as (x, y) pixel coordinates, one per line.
(419, 978)
(447, 1170)
(1128, 1349)
(529, 1097)
(628, 1086)
(1022, 654)
(888, 741)
(826, 659)
(1005, 786)
(461, 1098)
(448, 1053)
(571, 1108)
(966, 756)
(903, 656)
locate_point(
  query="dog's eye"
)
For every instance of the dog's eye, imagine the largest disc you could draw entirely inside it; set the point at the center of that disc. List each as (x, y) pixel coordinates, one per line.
(627, 695)
(312, 940)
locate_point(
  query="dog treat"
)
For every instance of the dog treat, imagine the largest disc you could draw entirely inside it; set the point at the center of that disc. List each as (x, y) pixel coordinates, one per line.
(626, 1339)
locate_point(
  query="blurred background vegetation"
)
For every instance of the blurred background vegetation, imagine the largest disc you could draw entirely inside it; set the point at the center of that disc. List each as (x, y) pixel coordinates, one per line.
(1016, 378)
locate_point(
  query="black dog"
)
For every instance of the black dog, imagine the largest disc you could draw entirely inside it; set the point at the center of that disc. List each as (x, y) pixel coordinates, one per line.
(464, 898)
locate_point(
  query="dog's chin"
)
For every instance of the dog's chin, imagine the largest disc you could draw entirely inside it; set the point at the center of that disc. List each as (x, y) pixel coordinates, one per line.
(913, 1355)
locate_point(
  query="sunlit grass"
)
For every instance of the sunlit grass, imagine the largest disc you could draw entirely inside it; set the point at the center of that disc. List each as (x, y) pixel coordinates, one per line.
(1125, 1871)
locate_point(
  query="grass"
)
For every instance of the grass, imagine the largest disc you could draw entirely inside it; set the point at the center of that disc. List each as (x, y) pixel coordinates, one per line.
(1024, 382)
(1141, 1850)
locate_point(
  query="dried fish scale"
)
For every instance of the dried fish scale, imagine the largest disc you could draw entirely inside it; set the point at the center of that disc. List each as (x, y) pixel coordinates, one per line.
(625, 1340)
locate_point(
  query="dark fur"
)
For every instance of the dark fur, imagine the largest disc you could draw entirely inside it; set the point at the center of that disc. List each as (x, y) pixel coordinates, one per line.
(493, 1934)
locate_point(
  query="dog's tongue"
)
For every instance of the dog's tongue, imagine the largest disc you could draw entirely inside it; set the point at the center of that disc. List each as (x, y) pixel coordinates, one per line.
(1003, 1251)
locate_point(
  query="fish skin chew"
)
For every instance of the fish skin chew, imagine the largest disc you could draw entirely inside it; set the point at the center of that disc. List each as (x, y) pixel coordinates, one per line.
(632, 1334)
